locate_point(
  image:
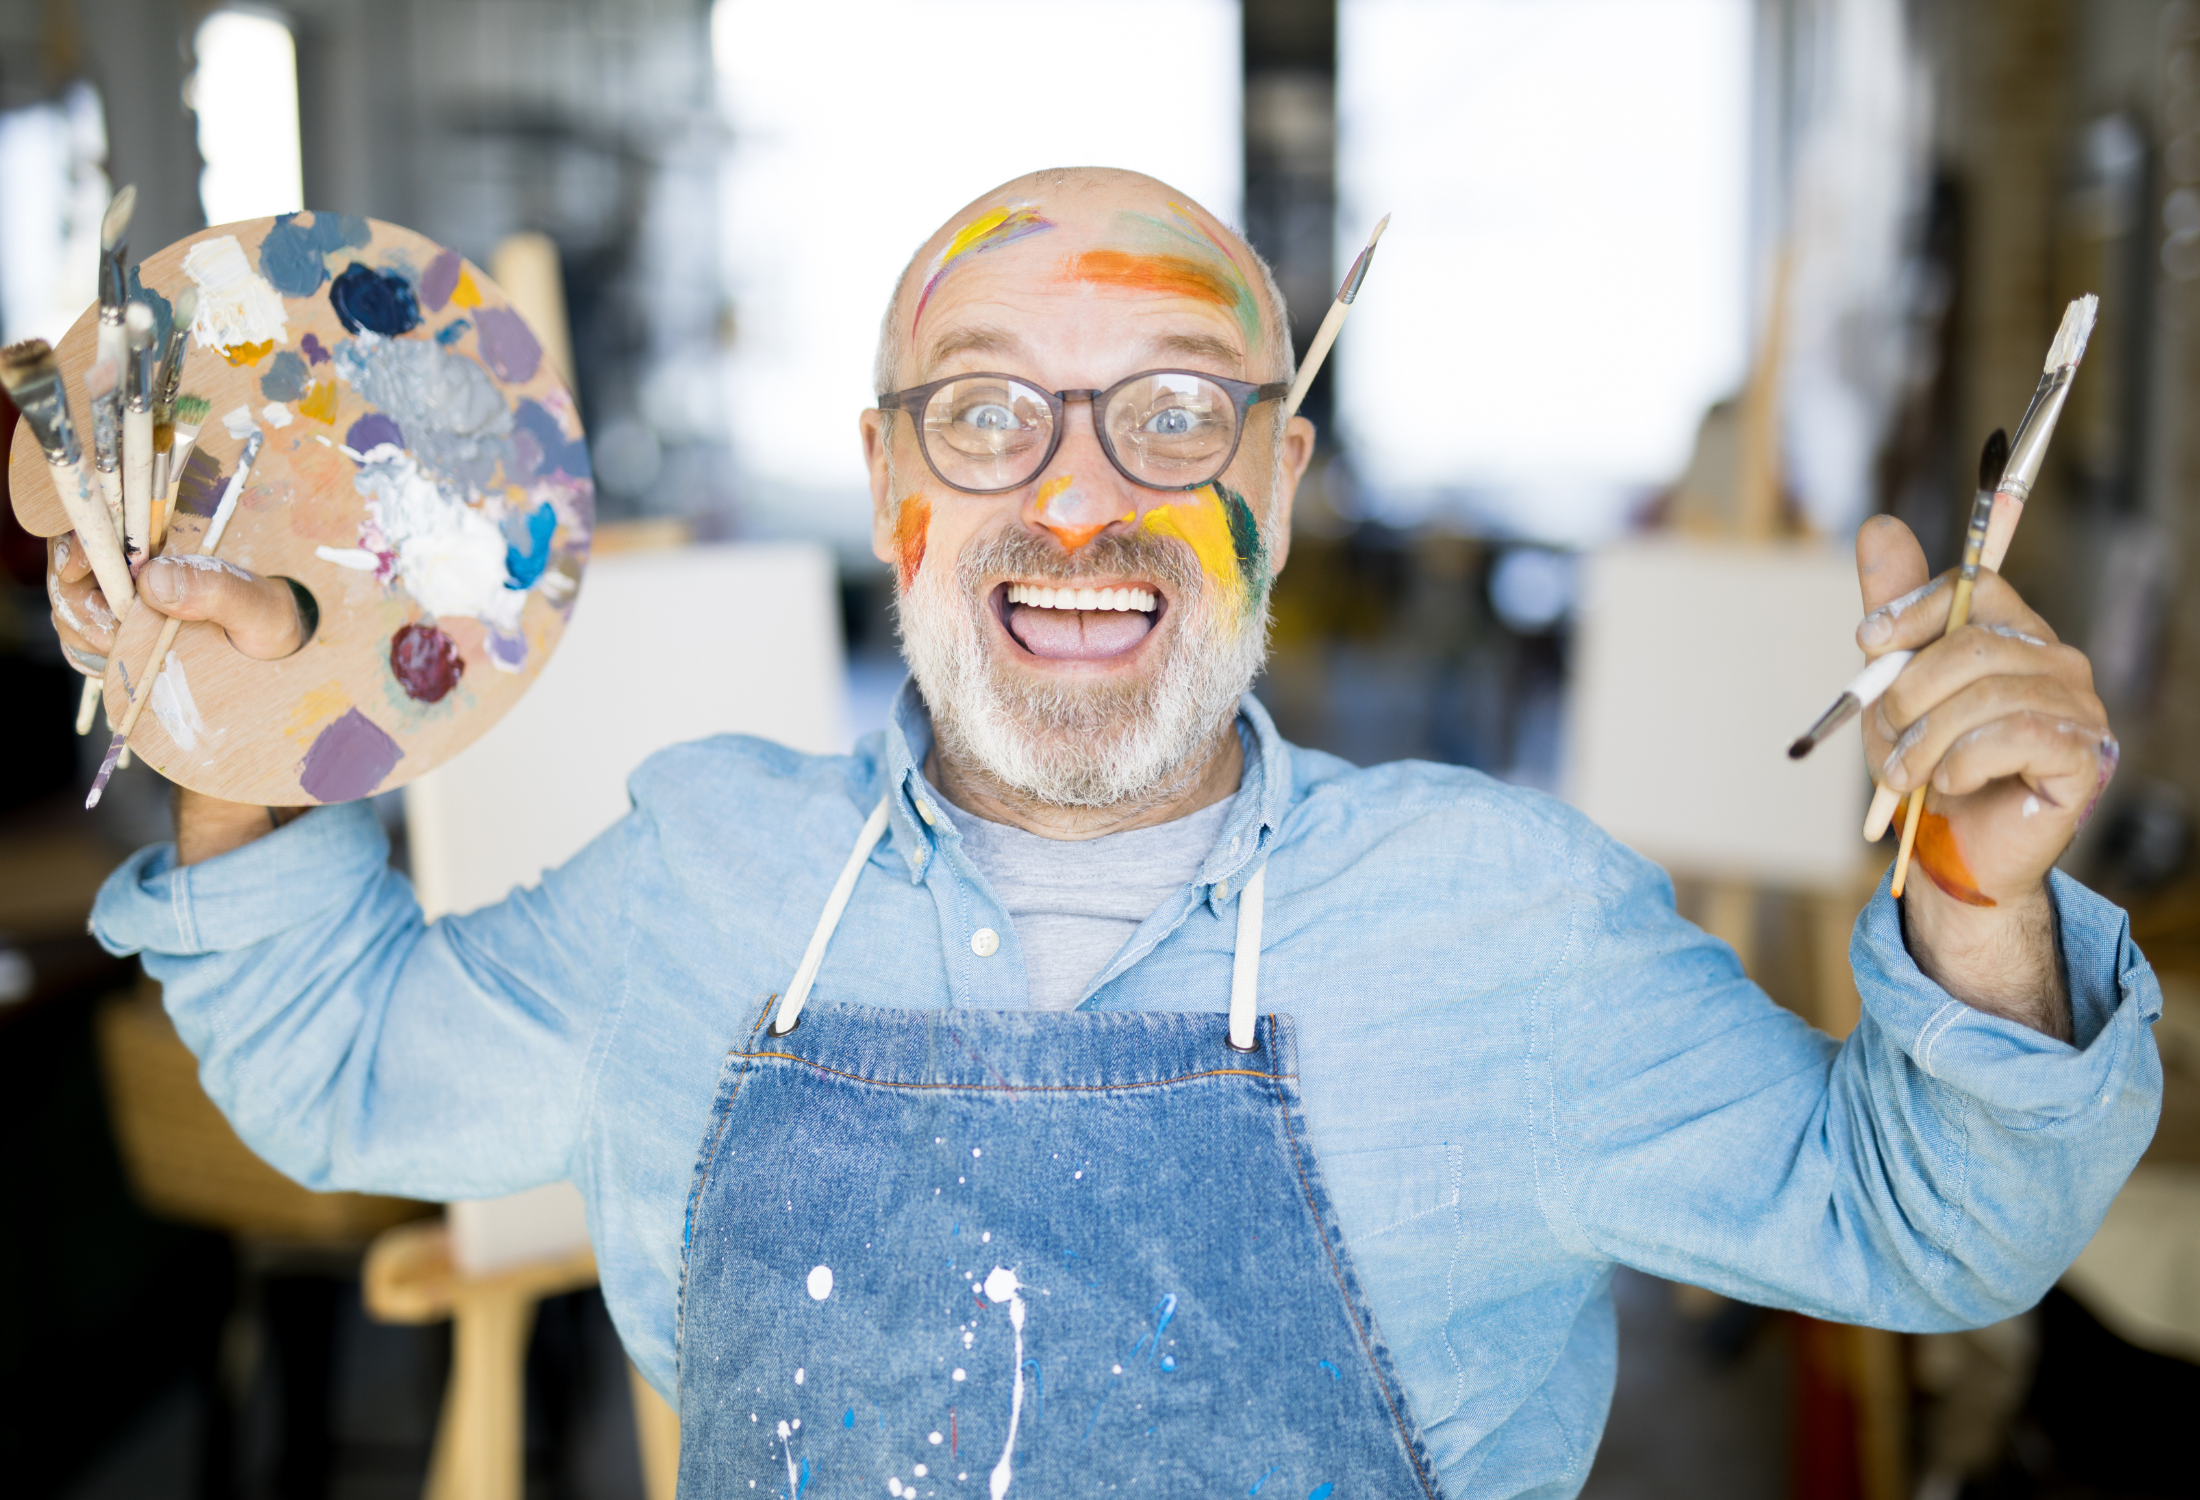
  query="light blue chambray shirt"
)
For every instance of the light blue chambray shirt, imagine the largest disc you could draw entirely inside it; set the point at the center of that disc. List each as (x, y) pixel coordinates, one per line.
(1519, 1066)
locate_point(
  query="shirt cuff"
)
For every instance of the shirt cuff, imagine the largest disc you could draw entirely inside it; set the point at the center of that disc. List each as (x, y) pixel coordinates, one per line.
(293, 875)
(2006, 1065)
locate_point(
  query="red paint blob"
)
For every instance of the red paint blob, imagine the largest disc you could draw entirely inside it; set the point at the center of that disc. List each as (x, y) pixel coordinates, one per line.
(425, 661)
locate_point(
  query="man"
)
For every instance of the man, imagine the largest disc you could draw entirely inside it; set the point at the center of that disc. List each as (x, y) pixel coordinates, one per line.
(990, 1194)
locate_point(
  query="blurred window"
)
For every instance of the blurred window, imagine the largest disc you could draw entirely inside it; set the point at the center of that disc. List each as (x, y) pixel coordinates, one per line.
(846, 155)
(245, 93)
(1564, 290)
(55, 194)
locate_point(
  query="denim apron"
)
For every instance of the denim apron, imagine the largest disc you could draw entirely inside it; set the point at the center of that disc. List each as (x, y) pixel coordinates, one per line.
(983, 1253)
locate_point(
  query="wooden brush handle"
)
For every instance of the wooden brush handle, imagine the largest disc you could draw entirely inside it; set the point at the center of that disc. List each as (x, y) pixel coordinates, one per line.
(144, 694)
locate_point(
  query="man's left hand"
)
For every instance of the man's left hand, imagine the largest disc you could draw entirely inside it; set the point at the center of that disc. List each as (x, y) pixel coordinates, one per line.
(2000, 722)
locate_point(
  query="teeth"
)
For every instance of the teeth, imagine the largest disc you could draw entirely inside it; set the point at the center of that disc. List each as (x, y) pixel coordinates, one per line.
(1040, 597)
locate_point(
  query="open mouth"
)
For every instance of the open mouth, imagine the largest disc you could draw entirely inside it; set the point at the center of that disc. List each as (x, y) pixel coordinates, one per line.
(1061, 622)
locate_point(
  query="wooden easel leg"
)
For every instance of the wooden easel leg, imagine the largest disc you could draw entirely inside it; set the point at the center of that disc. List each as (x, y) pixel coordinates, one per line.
(480, 1443)
(1730, 914)
(657, 1434)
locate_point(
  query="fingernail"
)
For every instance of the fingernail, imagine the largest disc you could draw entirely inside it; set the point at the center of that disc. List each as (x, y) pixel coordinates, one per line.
(160, 583)
(1877, 629)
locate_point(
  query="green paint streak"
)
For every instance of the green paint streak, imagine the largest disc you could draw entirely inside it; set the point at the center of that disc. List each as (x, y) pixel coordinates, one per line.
(1181, 233)
(1252, 552)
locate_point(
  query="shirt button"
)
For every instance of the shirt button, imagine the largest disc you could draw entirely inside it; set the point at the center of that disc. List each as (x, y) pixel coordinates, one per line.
(1222, 890)
(924, 811)
(985, 942)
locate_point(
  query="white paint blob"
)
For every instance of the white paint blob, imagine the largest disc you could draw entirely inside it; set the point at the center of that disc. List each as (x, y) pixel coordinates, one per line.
(236, 305)
(172, 705)
(275, 414)
(821, 1283)
(449, 555)
(960, 1374)
(239, 423)
(934, 1439)
(893, 1484)
(2031, 807)
(919, 1470)
(977, 1151)
(1002, 1286)
(359, 559)
(986, 1238)
(800, 1375)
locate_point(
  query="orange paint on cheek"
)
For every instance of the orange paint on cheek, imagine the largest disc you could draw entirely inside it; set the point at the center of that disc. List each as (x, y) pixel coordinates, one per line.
(1173, 275)
(911, 528)
(1937, 855)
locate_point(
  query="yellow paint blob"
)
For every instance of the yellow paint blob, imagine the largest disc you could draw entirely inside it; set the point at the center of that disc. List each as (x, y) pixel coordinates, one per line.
(315, 708)
(1196, 519)
(319, 403)
(249, 354)
(1055, 486)
(465, 294)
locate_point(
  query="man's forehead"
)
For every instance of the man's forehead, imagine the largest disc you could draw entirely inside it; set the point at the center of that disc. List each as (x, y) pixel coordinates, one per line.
(1003, 337)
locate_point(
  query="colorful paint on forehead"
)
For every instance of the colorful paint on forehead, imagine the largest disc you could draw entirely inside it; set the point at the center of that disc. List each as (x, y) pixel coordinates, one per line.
(989, 231)
(1177, 256)
(912, 528)
(1218, 526)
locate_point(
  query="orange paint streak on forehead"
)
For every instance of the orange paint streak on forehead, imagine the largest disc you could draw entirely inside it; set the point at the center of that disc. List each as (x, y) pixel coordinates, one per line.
(1168, 275)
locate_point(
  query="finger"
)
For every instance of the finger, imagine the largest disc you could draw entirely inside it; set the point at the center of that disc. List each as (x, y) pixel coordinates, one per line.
(2059, 759)
(80, 615)
(1922, 745)
(1918, 618)
(259, 614)
(1972, 654)
(66, 557)
(1889, 564)
(1994, 602)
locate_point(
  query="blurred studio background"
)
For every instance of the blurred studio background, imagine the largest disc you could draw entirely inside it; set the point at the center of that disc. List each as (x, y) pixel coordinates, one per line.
(1676, 294)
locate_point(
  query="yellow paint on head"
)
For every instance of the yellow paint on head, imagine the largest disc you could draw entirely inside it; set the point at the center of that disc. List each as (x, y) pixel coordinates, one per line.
(1195, 518)
(315, 708)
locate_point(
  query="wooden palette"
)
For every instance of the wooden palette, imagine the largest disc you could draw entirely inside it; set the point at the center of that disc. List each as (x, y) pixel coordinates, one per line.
(423, 473)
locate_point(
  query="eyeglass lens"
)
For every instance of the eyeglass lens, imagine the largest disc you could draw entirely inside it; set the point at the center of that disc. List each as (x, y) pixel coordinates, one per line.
(1169, 430)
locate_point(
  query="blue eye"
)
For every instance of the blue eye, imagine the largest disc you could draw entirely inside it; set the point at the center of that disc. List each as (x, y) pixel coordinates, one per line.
(1175, 422)
(992, 417)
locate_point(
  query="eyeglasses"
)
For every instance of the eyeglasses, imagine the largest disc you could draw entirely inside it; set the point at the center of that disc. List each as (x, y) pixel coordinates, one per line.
(1163, 429)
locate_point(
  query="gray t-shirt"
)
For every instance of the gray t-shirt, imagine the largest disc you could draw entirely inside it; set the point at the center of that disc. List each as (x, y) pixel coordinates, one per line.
(1076, 902)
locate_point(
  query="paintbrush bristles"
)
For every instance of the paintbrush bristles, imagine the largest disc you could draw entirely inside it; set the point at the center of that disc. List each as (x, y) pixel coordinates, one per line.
(1381, 224)
(191, 410)
(2071, 337)
(31, 359)
(1992, 459)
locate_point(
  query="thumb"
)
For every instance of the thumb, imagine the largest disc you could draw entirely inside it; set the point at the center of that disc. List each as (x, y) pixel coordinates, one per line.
(260, 615)
(1890, 567)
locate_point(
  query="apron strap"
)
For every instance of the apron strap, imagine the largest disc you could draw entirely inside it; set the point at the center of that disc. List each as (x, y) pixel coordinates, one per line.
(798, 993)
(1245, 967)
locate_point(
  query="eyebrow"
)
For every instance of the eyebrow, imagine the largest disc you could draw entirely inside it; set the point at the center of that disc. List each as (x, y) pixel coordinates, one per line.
(973, 338)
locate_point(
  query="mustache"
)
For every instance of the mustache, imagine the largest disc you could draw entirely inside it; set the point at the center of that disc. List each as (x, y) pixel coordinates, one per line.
(1136, 554)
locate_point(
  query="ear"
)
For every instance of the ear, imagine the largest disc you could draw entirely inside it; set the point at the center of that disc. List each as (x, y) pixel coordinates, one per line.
(1298, 452)
(875, 438)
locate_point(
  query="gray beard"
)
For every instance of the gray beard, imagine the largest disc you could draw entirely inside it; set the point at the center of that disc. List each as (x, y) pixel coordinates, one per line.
(1086, 744)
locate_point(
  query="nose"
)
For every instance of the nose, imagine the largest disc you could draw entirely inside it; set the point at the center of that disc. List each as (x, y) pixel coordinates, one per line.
(1074, 510)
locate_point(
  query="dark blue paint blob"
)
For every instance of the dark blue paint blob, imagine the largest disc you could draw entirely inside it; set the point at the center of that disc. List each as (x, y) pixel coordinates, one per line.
(371, 431)
(293, 255)
(541, 446)
(450, 332)
(523, 568)
(378, 301)
(286, 378)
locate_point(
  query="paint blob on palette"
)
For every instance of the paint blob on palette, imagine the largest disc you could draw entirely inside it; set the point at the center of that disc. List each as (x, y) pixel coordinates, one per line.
(423, 472)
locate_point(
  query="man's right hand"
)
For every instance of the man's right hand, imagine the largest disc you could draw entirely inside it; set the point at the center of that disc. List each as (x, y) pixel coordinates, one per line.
(259, 615)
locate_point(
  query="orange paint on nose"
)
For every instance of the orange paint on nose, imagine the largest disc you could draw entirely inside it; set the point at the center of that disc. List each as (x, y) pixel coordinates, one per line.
(1938, 856)
(1071, 535)
(911, 528)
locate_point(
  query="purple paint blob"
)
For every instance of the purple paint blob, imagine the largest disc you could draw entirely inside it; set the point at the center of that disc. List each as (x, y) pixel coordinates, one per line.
(507, 344)
(425, 662)
(507, 651)
(348, 759)
(440, 280)
(371, 432)
(314, 352)
(199, 489)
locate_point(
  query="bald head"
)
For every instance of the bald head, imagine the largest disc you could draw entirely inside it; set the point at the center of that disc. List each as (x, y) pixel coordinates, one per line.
(1079, 233)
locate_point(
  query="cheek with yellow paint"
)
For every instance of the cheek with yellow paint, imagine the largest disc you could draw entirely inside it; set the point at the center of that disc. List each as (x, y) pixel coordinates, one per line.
(1218, 525)
(912, 528)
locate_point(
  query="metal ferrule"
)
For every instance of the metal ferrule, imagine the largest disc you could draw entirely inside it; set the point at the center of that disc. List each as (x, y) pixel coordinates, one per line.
(170, 378)
(144, 375)
(2028, 452)
(1355, 276)
(107, 435)
(114, 286)
(48, 415)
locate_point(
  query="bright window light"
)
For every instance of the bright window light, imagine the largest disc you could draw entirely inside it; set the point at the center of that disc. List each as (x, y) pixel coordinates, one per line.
(246, 94)
(845, 157)
(1563, 290)
(55, 192)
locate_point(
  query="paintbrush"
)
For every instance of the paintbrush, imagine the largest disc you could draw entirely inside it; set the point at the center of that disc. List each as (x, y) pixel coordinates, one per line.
(113, 349)
(1991, 464)
(143, 692)
(2027, 455)
(164, 404)
(1332, 323)
(1861, 693)
(139, 373)
(33, 379)
(191, 413)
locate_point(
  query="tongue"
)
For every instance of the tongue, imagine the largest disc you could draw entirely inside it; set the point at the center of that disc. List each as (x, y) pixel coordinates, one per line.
(1077, 634)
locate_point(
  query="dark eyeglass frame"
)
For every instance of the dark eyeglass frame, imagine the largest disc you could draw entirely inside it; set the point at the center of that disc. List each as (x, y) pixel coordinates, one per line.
(1244, 394)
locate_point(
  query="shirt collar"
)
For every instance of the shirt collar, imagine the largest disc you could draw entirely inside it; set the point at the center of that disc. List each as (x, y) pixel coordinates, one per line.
(919, 823)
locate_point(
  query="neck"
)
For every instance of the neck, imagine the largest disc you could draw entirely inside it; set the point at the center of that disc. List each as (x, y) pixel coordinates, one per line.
(1206, 779)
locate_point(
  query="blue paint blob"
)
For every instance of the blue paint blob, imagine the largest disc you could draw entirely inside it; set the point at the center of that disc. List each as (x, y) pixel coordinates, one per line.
(371, 431)
(542, 447)
(292, 255)
(1168, 1361)
(1263, 1479)
(286, 379)
(1332, 1369)
(848, 1419)
(377, 301)
(1321, 1491)
(451, 332)
(523, 568)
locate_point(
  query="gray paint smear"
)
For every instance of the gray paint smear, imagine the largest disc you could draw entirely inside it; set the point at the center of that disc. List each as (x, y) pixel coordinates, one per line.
(453, 415)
